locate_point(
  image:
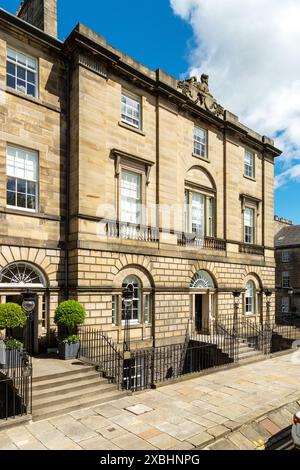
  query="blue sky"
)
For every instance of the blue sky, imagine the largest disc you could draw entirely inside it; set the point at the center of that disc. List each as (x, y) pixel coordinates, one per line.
(170, 37)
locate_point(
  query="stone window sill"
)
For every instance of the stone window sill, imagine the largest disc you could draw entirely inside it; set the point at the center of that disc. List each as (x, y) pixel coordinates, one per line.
(203, 159)
(131, 128)
(250, 178)
(31, 99)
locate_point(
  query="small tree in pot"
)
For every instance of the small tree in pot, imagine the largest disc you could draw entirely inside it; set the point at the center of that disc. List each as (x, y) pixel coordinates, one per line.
(12, 316)
(69, 315)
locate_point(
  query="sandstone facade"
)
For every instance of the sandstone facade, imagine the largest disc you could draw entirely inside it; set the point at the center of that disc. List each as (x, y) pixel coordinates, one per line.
(74, 237)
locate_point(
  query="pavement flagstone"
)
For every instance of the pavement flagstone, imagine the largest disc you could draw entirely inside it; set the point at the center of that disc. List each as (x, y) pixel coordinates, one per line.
(238, 408)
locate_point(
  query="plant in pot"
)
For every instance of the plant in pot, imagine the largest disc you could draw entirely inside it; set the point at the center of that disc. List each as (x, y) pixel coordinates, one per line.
(68, 316)
(12, 316)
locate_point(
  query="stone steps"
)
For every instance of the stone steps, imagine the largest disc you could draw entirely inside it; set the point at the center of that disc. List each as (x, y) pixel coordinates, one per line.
(74, 405)
(61, 381)
(247, 353)
(61, 393)
(64, 389)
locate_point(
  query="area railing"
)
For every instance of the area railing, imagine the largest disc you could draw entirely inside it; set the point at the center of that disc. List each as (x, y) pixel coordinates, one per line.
(287, 325)
(15, 384)
(215, 332)
(99, 350)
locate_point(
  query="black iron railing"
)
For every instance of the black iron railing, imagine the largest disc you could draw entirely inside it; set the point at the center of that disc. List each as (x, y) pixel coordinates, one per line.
(220, 334)
(144, 368)
(15, 385)
(287, 325)
(193, 240)
(97, 349)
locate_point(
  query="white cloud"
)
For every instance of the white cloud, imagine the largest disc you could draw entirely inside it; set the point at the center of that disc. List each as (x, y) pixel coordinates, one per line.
(250, 49)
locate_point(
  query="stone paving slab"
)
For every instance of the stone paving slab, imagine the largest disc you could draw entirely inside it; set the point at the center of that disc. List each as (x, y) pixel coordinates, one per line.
(236, 407)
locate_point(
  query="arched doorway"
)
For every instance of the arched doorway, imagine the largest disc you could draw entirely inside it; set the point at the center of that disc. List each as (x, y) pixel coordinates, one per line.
(15, 279)
(203, 300)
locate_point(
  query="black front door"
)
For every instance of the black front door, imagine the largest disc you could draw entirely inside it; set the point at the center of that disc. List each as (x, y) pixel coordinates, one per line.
(198, 313)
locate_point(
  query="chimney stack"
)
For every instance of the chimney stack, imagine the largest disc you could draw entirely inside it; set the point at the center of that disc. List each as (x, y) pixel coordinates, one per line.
(40, 13)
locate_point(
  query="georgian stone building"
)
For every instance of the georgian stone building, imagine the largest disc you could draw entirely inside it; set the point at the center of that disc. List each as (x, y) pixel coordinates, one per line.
(287, 255)
(112, 173)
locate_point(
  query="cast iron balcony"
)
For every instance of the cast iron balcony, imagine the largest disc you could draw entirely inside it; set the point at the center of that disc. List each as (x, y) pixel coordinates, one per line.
(128, 231)
(207, 243)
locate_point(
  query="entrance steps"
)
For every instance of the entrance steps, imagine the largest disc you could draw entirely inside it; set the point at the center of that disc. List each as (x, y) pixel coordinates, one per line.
(249, 354)
(61, 393)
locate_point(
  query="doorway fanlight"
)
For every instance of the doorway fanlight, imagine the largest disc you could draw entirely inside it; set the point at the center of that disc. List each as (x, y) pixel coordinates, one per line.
(21, 275)
(202, 280)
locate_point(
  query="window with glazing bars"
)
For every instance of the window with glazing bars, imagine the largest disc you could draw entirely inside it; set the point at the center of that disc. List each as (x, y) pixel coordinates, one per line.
(249, 225)
(200, 142)
(249, 164)
(286, 280)
(130, 197)
(131, 109)
(22, 178)
(21, 72)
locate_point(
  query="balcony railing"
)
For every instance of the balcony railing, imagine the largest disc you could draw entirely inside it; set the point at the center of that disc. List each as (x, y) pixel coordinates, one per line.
(128, 231)
(252, 249)
(195, 241)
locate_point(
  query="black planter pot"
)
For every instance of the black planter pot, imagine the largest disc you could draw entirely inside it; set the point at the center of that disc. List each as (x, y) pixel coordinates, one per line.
(13, 358)
(68, 351)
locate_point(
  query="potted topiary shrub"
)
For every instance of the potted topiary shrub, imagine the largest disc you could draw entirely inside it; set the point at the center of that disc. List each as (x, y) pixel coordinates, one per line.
(69, 315)
(12, 316)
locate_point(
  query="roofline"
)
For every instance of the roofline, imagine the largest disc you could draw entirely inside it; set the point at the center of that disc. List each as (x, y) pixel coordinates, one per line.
(12, 20)
(78, 40)
(109, 55)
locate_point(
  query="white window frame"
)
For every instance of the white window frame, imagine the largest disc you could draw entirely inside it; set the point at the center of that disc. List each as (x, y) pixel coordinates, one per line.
(285, 304)
(286, 280)
(249, 166)
(285, 256)
(249, 234)
(126, 200)
(208, 218)
(114, 309)
(147, 308)
(137, 366)
(200, 142)
(25, 65)
(250, 288)
(128, 111)
(30, 153)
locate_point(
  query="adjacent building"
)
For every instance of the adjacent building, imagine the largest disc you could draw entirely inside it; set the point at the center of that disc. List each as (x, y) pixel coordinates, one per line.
(287, 244)
(114, 174)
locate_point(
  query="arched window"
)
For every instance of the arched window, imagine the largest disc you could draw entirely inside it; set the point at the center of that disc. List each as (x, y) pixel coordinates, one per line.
(250, 303)
(22, 275)
(135, 315)
(202, 280)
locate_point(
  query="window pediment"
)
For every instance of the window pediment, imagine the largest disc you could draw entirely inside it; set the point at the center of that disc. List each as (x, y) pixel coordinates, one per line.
(122, 157)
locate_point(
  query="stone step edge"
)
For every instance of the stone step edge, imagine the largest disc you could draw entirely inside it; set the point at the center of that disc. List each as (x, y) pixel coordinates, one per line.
(60, 399)
(82, 385)
(58, 411)
(57, 375)
(48, 384)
